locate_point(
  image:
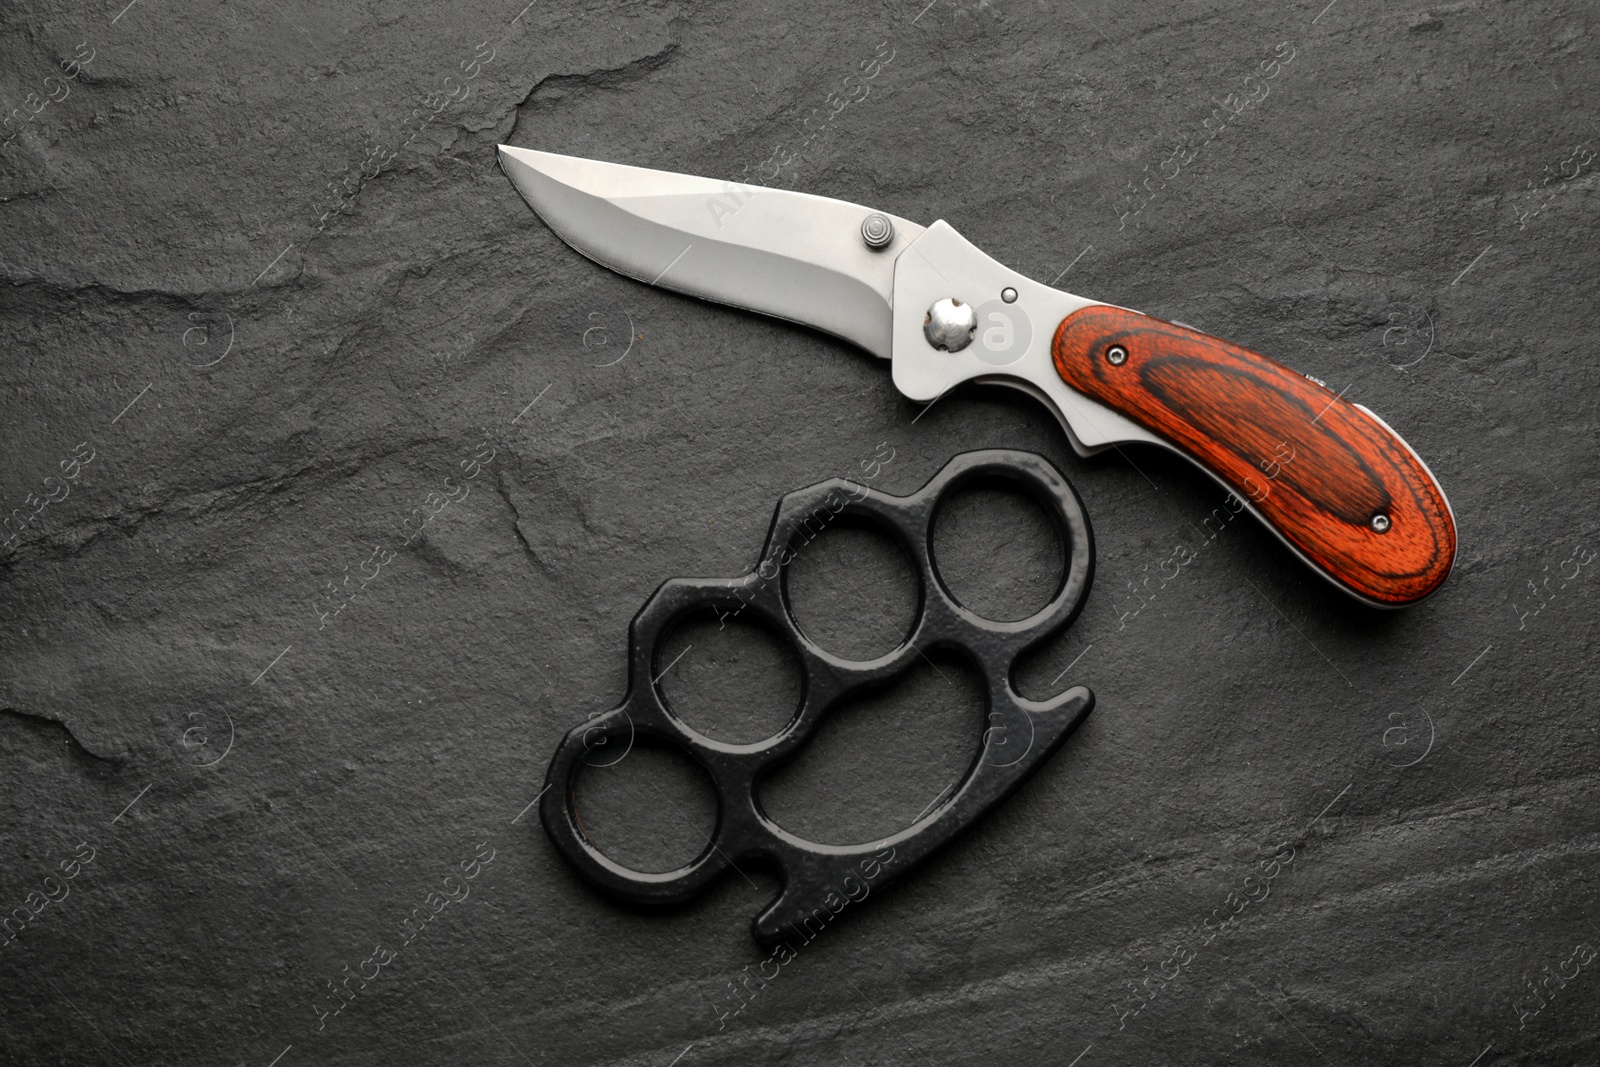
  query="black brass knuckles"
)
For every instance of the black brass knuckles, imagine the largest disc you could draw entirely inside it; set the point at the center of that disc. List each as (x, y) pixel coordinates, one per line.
(1020, 735)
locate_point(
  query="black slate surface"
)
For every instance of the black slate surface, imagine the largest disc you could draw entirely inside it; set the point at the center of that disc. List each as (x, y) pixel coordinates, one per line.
(261, 267)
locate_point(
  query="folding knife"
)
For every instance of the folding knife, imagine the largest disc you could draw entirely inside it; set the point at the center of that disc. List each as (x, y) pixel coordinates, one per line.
(1329, 477)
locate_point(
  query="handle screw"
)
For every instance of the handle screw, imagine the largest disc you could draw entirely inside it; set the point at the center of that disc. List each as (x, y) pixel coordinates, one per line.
(1381, 523)
(1116, 355)
(877, 230)
(1009, 295)
(950, 324)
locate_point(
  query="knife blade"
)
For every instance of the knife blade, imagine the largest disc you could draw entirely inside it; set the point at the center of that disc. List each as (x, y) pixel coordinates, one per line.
(1330, 478)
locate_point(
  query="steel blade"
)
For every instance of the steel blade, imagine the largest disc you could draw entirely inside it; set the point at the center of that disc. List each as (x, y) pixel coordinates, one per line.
(791, 255)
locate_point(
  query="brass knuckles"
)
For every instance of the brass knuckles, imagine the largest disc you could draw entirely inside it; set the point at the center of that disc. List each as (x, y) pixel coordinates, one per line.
(1021, 735)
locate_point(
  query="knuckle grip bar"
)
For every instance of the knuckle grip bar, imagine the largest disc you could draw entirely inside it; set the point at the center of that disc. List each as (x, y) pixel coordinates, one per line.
(1020, 734)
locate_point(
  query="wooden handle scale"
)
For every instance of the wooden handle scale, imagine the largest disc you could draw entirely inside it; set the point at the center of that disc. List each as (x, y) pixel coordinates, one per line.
(1340, 487)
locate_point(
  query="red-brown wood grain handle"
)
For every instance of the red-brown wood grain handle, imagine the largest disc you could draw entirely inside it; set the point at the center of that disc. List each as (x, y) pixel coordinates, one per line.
(1340, 487)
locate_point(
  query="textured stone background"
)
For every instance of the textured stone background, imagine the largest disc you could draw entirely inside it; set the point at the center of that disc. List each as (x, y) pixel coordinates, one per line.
(280, 300)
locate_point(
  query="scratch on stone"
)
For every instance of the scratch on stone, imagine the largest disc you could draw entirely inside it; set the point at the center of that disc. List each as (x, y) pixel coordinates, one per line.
(600, 78)
(70, 739)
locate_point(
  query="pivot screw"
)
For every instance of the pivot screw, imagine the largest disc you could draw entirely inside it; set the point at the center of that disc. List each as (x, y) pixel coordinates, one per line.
(1009, 295)
(877, 230)
(950, 325)
(1381, 523)
(1116, 355)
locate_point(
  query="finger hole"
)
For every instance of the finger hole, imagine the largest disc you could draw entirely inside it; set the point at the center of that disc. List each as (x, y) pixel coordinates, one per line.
(875, 765)
(653, 811)
(997, 552)
(853, 591)
(732, 679)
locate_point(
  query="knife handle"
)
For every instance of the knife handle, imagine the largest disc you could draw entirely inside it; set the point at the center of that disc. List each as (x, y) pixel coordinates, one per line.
(1340, 487)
